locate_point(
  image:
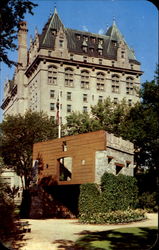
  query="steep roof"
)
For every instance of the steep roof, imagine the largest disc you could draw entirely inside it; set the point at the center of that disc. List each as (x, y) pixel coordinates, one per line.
(47, 40)
(114, 33)
(54, 23)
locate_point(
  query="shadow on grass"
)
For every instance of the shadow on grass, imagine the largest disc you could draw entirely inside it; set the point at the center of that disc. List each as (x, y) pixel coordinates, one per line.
(119, 239)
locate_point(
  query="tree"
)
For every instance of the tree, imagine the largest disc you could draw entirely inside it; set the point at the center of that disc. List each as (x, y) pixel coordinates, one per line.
(11, 13)
(19, 133)
(111, 116)
(78, 123)
(105, 115)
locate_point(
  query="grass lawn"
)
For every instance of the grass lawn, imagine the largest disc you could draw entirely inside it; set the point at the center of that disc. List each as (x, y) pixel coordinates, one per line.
(137, 238)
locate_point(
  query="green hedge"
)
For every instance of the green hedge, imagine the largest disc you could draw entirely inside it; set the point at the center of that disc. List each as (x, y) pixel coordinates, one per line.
(118, 192)
(114, 217)
(89, 201)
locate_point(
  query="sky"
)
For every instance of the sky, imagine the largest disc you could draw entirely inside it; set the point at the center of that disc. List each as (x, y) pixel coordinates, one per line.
(137, 20)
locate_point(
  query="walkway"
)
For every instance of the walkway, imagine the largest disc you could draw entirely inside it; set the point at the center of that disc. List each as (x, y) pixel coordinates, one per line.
(46, 233)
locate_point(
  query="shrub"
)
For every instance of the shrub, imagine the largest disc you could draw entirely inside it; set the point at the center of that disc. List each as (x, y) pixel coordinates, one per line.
(118, 192)
(7, 217)
(89, 198)
(114, 217)
(114, 204)
(148, 201)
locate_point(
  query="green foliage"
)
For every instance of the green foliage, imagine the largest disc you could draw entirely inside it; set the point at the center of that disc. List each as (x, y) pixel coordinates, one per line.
(19, 133)
(14, 10)
(148, 201)
(111, 117)
(7, 216)
(113, 217)
(89, 199)
(78, 123)
(118, 192)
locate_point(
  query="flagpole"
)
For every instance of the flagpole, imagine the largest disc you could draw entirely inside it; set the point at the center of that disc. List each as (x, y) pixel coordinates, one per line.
(59, 121)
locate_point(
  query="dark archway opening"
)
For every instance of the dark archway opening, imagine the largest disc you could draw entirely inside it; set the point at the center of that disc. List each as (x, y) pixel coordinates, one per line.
(68, 195)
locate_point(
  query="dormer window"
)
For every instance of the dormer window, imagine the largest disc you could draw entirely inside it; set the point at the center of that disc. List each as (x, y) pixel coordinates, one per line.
(78, 36)
(100, 52)
(85, 38)
(54, 31)
(122, 54)
(114, 43)
(92, 50)
(85, 49)
(61, 42)
(100, 41)
(93, 40)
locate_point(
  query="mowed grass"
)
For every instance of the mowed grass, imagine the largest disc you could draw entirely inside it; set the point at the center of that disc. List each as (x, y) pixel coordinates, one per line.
(122, 238)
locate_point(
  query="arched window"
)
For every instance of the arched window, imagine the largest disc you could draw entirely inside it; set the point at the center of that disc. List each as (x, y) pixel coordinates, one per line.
(129, 85)
(52, 74)
(100, 81)
(115, 83)
(68, 77)
(84, 79)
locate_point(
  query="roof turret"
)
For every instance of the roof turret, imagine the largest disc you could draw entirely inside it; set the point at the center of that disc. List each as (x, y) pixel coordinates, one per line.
(114, 33)
(51, 28)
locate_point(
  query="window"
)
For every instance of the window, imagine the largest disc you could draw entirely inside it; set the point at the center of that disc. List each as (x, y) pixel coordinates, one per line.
(129, 86)
(52, 93)
(64, 146)
(128, 164)
(78, 36)
(68, 77)
(71, 56)
(65, 168)
(52, 75)
(61, 43)
(100, 81)
(115, 83)
(69, 98)
(93, 39)
(122, 54)
(69, 108)
(100, 52)
(115, 100)
(100, 61)
(85, 98)
(85, 58)
(85, 109)
(118, 168)
(49, 53)
(52, 106)
(85, 79)
(85, 49)
(110, 159)
(100, 99)
(91, 50)
(130, 102)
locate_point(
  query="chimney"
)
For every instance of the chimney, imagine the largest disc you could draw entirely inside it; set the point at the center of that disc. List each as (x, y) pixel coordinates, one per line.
(22, 44)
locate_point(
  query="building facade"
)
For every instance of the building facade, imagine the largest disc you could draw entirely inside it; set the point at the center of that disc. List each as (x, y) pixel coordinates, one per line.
(82, 158)
(80, 67)
(12, 180)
